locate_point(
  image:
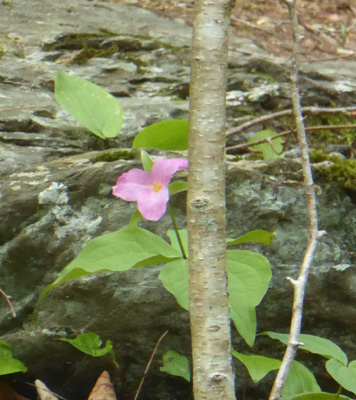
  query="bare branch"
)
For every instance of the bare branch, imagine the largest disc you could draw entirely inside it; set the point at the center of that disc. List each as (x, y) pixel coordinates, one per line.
(21, 108)
(300, 284)
(149, 364)
(306, 110)
(238, 147)
(9, 303)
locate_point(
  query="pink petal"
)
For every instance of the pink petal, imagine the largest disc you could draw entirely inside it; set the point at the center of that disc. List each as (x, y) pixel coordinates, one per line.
(152, 205)
(132, 184)
(163, 170)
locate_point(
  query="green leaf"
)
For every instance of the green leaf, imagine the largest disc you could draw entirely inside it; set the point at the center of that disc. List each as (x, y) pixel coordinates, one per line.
(8, 364)
(90, 104)
(174, 277)
(176, 364)
(266, 148)
(90, 343)
(147, 161)
(344, 376)
(257, 236)
(316, 396)
(164, 135)
(258, 366)
(183, 233)
(177, 187)
(352, 365)
(249, 275)
(118, 251)
(135, 219)
(313, 344)
(300, 380)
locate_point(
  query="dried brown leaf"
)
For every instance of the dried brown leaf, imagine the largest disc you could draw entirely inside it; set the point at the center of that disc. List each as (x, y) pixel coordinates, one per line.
(43, 392)
(103, 389)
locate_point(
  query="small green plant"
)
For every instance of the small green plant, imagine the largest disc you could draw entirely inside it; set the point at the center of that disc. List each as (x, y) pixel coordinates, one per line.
(273, 148)
(90, 343)
(176, 364)
(90, 104)
(249, 273)
(8, 364)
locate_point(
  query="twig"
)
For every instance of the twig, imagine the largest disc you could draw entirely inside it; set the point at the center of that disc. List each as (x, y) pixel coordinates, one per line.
(249, 24)
(20, 108)
(238, 147)
(306, 110)
(299, 285)
(149, 364)
(9, 303)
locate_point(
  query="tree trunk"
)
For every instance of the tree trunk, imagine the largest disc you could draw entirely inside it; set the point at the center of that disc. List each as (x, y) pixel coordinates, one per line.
(209, 307)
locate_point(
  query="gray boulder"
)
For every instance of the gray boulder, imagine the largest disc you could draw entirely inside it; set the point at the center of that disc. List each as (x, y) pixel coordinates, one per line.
(55, 194)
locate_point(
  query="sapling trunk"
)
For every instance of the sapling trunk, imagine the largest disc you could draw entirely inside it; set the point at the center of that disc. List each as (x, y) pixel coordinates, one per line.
(213, 376)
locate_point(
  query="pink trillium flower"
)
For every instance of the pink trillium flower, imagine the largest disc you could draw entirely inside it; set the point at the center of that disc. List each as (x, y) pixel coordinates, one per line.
(149, 189)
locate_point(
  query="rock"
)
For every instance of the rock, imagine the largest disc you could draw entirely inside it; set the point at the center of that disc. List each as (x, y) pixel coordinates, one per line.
(55, 193)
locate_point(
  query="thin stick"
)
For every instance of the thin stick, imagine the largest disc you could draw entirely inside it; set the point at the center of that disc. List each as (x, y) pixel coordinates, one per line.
(299, 285)
(21, 108)
(149, 364)
(9, 303)
(306, 110)
(243, 146)
(176, 230)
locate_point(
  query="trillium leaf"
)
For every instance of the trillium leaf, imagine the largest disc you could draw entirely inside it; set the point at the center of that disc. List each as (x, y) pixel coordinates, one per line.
(352, 365)
(242, 309)
(177, 187)
(316, 396)
(257, 236)
(147, 161)
(174, 277)
(90, 343)
(8, 364)
(344, 376)
(249, 275)
(118, 251)
(176, 364)
(183, 233)
(269, 152)
(258, 366)
(314, 344)
(164, 135)
(91, 105)
(300, 380)
(135, 219)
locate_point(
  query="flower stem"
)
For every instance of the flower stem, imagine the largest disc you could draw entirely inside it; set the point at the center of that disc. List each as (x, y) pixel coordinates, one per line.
(176, 230)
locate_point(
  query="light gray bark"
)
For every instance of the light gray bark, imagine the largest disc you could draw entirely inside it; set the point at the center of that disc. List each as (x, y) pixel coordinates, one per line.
(209, 307)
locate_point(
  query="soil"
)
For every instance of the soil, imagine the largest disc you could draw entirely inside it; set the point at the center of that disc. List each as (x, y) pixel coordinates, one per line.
(328, 26)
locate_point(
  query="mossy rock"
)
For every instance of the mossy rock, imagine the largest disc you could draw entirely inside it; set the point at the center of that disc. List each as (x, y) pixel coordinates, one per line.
(339, 171)
(114, 156)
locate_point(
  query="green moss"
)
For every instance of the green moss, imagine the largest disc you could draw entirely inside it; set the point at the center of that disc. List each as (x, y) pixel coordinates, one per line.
(114, 156)
(2, 51)
(134, 60)
(327, 136)
(341, 172)
(266, 77)
(318, 156)
(75, 41)
(87, 53)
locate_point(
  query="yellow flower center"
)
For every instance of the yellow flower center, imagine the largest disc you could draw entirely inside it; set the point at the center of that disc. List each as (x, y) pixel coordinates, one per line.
(156, 187)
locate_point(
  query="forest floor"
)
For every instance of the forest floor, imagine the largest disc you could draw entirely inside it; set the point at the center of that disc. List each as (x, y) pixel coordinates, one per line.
(328, 26)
